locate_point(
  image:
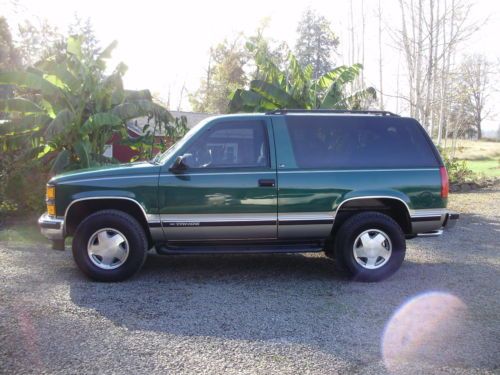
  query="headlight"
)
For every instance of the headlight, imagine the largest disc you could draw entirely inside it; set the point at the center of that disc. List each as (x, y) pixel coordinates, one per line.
(50, 196)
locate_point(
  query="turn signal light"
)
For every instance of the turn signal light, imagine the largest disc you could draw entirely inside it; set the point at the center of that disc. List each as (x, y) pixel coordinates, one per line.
(51, 209)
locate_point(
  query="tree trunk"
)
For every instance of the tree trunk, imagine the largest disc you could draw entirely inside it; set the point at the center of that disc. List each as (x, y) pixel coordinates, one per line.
(380, 65)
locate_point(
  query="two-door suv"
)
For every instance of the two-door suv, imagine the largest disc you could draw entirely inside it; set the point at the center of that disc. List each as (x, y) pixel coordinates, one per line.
(355, 185)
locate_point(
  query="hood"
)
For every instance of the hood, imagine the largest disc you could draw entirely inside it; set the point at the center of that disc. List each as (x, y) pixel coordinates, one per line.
(132, 169)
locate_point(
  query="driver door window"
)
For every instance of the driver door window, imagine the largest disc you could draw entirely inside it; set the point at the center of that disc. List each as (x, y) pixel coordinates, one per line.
(239, 144)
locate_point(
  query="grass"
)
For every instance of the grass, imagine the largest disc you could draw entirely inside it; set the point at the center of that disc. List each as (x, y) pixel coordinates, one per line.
(24, 233)
(488, 167)
(476, 150)
(482, 156)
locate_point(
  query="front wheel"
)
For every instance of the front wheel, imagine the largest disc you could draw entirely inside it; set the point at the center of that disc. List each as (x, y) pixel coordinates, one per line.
(371, 246)
(109, 245)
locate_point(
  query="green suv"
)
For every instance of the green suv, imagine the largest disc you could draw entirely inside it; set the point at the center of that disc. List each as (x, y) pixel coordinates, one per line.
(355, 185)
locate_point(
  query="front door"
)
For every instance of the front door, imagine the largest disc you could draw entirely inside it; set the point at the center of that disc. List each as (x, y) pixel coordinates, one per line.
(228, 190)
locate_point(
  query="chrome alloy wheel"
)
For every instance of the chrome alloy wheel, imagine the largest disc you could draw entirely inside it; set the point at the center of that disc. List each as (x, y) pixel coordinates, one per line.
(372, 249)
(108, 248)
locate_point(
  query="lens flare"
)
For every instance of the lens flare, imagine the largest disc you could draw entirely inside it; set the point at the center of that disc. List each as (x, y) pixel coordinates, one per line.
(422, 330)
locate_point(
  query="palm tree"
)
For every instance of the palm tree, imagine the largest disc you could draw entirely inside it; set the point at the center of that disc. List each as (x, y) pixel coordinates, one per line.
(296, 88)
(67, 108)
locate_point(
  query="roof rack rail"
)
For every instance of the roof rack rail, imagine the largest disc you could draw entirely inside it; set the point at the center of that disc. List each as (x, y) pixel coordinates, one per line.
(285, 111)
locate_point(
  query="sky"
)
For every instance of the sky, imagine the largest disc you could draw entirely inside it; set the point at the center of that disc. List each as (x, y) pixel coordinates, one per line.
(165, 44)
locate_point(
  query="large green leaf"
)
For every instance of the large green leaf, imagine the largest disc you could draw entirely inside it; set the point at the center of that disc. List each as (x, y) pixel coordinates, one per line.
(274, 94)
(106, 53)
(31, 81)
(133, 95)
(249, 101)
(29, 122)
(59, 70)
(130, 110)
(61, 162)
(19, 105)
(82, 151)
(355, 101)
(98, 120)
(74, 46)
(334, 83)
(340, 75)
(59, 124)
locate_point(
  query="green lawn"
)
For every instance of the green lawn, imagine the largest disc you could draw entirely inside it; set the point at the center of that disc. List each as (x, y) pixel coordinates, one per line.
(489, 167)
(21, 233)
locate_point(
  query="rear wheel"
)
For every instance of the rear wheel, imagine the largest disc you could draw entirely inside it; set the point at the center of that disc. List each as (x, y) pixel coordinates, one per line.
(371, 246)
(109, 245)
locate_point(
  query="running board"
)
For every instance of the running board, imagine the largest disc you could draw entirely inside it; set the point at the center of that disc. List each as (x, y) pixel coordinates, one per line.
(434, 233)
(237, 249)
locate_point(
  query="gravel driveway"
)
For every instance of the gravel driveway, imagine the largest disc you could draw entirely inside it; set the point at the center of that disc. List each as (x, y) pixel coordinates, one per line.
(262, 314)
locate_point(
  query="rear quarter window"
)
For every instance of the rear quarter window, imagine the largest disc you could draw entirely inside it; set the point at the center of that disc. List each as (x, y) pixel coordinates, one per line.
(359, 142)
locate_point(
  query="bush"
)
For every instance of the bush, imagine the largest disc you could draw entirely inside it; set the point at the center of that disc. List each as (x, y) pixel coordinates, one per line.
(22, 188)
(458, 170)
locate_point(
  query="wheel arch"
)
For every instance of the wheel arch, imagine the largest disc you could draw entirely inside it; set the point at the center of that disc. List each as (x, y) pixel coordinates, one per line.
(80, 208)
(392, 206)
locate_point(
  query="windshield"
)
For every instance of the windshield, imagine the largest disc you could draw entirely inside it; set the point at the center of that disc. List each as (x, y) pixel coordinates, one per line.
(161, 158)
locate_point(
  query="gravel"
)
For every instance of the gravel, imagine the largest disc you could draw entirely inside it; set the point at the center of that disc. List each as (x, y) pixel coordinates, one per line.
(261, 314)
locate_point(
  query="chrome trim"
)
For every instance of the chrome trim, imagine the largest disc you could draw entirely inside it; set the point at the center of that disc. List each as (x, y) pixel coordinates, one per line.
(106, 178)
(102, 197)
(357, 170)
(51, 227)
(302, 216)
(434, 233)
(373, 197)
(423, 212)
(271, 171)
(186, 218)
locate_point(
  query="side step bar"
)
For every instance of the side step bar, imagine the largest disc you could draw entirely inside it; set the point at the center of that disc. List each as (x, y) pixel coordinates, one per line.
(237, 249)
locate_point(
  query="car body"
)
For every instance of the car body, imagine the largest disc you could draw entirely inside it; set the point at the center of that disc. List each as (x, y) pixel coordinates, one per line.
(285, 181)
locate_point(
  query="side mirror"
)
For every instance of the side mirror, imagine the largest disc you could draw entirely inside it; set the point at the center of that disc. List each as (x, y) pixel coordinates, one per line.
(179, 163)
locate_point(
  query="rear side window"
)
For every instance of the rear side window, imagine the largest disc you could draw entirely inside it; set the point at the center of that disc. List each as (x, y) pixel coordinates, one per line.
(359, 142)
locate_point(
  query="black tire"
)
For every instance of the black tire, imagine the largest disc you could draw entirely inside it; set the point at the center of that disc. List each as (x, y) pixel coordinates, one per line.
(352, 228)
(131, 230)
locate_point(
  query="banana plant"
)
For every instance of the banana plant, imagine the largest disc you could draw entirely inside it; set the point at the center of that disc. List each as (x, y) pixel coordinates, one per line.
(295, 87)
(68, 108)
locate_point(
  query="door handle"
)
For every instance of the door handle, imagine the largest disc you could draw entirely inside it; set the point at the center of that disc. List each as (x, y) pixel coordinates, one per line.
(267, 182)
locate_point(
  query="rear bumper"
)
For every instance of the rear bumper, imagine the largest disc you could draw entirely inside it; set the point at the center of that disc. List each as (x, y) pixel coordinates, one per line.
(432, 222)
(451, 220)
(51, 227)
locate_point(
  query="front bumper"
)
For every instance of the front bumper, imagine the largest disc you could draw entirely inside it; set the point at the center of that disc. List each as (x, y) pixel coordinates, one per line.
(51, 227)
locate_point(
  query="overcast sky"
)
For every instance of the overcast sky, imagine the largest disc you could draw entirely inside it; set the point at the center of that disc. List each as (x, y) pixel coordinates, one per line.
(165, 43)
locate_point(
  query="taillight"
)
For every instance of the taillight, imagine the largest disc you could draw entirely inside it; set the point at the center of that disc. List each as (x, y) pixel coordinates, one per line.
(445, 185)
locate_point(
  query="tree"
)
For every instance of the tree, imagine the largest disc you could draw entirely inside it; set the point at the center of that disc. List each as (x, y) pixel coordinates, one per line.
(474, 85)
(431, 32)
(38, 41)
(90, 43)
(72, 108)
(316, 43)
(295, 87)
(9, 56)
(224, 74)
